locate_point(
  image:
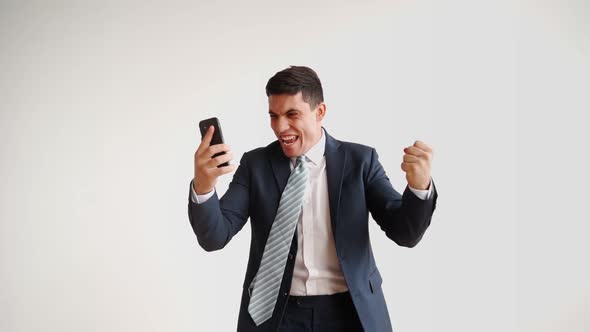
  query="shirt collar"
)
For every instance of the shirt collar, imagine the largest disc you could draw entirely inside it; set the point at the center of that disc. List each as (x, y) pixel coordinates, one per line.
(316, 153)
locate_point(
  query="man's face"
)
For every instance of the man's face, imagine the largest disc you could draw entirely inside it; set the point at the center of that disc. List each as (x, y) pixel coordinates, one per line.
(294, 123)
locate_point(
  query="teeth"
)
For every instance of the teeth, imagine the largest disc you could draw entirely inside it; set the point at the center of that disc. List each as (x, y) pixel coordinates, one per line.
(288, 140)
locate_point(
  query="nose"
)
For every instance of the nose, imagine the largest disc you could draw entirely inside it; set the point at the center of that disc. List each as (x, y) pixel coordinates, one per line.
(281, 125)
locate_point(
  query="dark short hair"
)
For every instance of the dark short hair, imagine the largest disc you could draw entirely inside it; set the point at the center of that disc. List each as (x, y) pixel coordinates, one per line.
(295, 79)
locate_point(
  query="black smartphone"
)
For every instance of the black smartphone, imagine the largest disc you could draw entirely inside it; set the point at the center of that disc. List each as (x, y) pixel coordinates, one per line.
(217, 135)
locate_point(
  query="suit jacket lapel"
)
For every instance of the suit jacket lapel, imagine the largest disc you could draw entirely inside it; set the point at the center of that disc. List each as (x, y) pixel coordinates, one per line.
(335, 162)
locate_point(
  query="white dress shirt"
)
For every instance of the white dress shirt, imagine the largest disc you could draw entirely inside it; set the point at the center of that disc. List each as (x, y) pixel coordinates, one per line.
(317, 269)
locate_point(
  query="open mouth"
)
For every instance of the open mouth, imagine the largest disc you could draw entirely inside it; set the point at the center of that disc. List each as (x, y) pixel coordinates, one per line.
(289, 140)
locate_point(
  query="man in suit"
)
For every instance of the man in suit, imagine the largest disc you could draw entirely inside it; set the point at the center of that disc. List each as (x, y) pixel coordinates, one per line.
(308, 197)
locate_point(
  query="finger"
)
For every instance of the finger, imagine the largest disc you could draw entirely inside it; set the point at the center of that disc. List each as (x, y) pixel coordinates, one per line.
(408, 167)
(206, 140)
(224, 158)
(218, 171)
(217, 148)
(423, 146)
(412, 150)
(408, 158)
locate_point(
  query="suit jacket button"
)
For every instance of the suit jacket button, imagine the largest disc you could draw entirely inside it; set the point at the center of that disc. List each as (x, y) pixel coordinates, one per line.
(285, 293)
(290, 256)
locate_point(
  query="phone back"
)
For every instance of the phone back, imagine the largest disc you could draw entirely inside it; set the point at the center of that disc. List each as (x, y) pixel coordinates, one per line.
(217, 135)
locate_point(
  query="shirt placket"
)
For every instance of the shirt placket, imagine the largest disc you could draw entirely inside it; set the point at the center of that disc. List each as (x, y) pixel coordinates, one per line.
(309, 237)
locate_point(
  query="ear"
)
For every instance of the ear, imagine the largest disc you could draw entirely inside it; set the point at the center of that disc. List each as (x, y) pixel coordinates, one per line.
(320, 112)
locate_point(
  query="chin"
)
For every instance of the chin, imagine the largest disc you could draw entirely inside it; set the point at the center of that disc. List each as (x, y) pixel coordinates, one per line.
(290, 154)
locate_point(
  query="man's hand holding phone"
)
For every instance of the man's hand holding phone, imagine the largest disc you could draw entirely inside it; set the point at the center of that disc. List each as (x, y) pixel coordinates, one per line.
(206, 165)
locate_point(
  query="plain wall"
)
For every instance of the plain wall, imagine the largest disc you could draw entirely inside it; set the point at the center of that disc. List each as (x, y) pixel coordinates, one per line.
(99, 105)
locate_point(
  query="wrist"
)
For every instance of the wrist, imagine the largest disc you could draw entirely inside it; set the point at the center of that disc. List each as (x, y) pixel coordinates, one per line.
(199, 189)
(421, 186)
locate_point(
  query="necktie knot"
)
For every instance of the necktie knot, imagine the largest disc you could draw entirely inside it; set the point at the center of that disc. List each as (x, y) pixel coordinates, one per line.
(300, 160)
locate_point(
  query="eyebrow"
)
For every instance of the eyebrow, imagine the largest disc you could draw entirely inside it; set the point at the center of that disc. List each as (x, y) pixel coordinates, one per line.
(287, 111)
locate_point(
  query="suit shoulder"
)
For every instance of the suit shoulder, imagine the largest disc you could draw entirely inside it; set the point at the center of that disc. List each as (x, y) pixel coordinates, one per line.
(260, 153)
(356, 149)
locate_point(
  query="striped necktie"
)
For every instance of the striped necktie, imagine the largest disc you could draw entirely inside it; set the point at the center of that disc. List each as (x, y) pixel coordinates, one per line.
(270, 273)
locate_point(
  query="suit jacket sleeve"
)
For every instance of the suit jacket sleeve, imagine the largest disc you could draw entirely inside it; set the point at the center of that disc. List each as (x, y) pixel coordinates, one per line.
(216, 221)
(403, 218)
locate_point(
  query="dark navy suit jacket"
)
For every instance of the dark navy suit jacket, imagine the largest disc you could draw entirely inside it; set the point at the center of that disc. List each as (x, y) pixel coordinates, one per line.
(357, 185)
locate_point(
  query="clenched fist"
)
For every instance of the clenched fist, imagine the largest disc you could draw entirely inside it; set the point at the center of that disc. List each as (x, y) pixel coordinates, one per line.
(417, 164)
(206, 170)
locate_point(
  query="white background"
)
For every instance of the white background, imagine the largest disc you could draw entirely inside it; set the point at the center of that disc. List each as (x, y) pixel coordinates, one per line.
(99, 105)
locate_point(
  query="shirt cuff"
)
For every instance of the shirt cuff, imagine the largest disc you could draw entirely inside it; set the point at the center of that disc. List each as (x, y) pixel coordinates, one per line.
(200, 199)
(423, 194)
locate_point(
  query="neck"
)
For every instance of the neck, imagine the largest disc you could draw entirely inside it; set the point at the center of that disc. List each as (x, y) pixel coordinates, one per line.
(319, 137)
